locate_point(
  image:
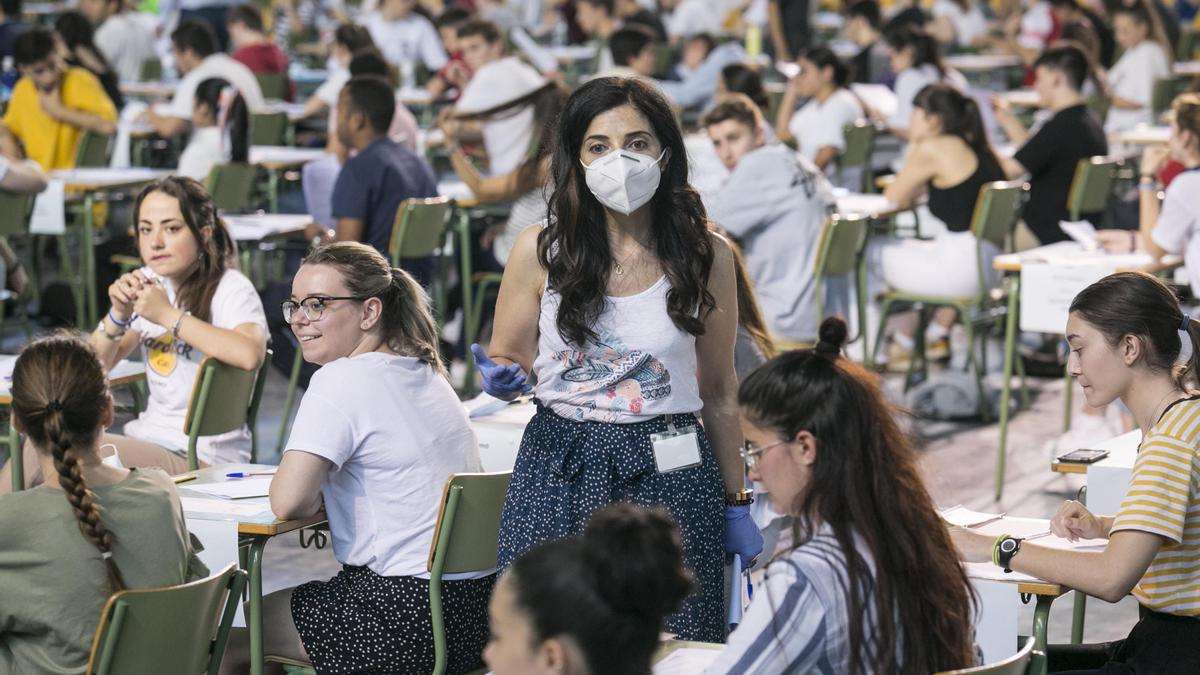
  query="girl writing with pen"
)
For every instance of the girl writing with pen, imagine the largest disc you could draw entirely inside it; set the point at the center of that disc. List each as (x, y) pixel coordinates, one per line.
(1130, 341)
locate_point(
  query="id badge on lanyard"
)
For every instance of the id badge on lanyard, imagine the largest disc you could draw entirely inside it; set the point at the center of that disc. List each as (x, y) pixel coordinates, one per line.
(676, 448)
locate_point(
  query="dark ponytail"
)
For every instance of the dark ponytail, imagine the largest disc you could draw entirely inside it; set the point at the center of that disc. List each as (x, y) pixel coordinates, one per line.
(865, 485)
(232, 115)
(60, 395)
(1141, 305)
(925, 48)
(960, 117)
(406, 324)
(823, 57)
(607, 590)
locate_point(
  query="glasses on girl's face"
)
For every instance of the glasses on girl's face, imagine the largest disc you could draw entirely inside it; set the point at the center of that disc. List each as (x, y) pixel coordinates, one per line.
(751, 453)
(313, 306)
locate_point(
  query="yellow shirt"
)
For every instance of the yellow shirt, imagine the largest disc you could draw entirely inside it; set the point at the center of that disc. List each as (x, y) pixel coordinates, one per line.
(1164, 499)
(49, 142)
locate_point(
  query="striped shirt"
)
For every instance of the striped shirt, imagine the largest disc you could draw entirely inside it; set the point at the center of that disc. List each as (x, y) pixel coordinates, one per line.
(799, 620)
(1164, 499)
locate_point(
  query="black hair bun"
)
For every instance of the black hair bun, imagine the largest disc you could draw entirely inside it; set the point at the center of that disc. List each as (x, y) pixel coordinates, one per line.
(831, 337)
(637, 556)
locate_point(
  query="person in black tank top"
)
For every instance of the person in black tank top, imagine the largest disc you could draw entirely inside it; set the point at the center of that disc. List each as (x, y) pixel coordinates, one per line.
(955, 205)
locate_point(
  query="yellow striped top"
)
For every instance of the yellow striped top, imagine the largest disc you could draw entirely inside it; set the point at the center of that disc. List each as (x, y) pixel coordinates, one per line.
(1164, 499)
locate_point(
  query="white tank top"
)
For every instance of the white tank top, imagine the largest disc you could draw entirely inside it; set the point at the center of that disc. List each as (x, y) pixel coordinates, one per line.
(640, 366)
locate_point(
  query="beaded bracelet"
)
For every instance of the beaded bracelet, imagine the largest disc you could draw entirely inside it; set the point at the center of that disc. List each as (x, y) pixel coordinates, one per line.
(117, 322)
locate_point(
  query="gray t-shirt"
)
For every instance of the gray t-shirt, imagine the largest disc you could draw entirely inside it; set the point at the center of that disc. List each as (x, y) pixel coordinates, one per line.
(776, 202)
(53, 584)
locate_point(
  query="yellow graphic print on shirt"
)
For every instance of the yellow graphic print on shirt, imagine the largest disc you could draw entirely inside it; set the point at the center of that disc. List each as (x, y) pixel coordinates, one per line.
(161, 354)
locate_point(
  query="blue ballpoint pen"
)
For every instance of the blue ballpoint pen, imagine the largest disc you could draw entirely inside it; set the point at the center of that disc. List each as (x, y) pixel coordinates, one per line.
(240, 474)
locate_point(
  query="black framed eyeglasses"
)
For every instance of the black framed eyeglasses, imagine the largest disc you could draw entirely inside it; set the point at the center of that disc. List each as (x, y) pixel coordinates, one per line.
(313, 306)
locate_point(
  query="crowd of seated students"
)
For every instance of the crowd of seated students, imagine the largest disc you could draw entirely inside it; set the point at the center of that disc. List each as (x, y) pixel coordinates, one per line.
(665, 201)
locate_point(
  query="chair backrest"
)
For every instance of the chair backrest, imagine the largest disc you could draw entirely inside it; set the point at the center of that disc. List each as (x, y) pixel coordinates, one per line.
(842, 239)
(419, 228)
(151, 70)
(1092, 185)
(94, 150)
(1017, 664)
(231, 186)
(273, 85)
(179, 629)
(997, 210)
(860, 145)
(1185, 50)
(14, 213)
(221, 399)
(466, 538)
(1164, 92)
(269, 128)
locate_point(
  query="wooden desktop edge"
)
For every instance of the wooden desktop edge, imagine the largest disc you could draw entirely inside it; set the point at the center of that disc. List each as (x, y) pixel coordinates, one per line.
(1068, 467)
(280, 526)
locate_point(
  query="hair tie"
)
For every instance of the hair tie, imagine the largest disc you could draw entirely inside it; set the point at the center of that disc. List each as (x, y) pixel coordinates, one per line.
(1186, 323)
(54, 406)
(1185, 340)
(828, 349)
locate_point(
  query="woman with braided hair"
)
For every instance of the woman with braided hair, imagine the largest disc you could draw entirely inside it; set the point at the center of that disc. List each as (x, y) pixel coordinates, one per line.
(55, 582)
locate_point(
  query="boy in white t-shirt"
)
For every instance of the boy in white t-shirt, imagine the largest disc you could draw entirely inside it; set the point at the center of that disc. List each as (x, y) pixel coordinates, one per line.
(406, 38)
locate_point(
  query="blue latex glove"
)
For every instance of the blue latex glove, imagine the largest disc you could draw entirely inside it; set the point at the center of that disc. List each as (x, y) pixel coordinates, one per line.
(503, 382)
(741, 534)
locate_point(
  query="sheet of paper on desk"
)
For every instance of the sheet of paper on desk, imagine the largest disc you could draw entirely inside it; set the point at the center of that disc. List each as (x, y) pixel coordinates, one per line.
(686, 661)
(878, 97)
(964, 517)
(483, 405)
(1027, 527)
(222, 509)
(1081, 231)
(49, 216)
(237, 488)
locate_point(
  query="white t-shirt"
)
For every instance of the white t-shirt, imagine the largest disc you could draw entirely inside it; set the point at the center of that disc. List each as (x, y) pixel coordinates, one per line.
(1037, 24)
(508, 136)
(1132, 78)
(219, 66)
(126, 43)
(817, 125)
(1178, 227)
(693, 17)
(329, 90)
(394, 431)
(172, 365)
(407, 40)
(203, 151)
(967, 25)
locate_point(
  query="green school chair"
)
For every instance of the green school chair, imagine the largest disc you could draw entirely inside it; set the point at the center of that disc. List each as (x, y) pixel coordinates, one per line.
(860, 145)
(465, 539)
(224, 398)
(232, 186)
(15, 210)
(839, 253)
(179, 629)
(1164, 92)
(419, 231)
(269, 128)
(997, 211)
(1185, 50)
(94, 150)
(273, 85)
(152, 70)
(1091, 186)
(1017, 664)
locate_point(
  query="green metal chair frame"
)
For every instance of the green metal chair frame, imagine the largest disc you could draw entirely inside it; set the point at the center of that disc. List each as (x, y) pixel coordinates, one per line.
(997, 210)
(273, 85)
(839, 253)
(232, 186)
(466, 538)
(1017, 664)
(151, 70)
(179, 629)
(269, 128)
(94, 150)
(860, 145)
(419, 231)
(1164, 92)
(15, 210)
(224, 398)
(1092, 185)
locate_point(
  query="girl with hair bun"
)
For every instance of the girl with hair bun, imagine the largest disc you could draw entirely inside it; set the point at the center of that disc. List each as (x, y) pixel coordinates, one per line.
(817, 127)
(826, 445)
(378, 433)
(1130, 340)
(60, 558)
(592, 604)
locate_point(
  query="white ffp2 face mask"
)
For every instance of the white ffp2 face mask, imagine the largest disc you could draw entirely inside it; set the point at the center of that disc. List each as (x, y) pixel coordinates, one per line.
(624, 181)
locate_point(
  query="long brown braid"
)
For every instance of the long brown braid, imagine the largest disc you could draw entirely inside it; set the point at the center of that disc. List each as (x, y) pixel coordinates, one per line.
(60, 395)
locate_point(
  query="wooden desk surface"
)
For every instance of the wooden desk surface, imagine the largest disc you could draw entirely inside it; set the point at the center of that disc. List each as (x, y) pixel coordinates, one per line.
(91, 179)
(1069, 251)
(266, 525)
(125, 372)
(1068, 467)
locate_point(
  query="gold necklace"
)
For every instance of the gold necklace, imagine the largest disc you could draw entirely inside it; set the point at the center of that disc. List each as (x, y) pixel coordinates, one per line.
(619, 265)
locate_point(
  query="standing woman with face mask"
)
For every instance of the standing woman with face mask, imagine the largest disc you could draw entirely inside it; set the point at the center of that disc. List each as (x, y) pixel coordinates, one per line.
(624, 307)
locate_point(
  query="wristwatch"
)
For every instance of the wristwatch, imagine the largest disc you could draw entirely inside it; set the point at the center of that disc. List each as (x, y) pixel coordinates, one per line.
(739, 498)
(1008, 547)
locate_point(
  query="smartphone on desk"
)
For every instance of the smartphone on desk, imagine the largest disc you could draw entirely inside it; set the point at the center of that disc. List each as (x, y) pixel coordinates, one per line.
(1083, 456)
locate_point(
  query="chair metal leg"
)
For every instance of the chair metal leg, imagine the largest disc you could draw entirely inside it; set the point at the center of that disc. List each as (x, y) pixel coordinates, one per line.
(255, 620)
(885, 307)
(985, 408)
(1010, 339)
(918, 351)
(1041, 625)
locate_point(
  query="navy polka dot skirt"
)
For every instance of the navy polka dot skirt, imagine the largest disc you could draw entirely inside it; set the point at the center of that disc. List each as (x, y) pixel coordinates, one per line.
(567, 470)
(361, 622)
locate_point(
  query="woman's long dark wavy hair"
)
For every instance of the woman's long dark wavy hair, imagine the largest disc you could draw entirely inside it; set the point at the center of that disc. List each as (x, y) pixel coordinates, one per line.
(574, 246)
(960, 117)
(865, 483)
